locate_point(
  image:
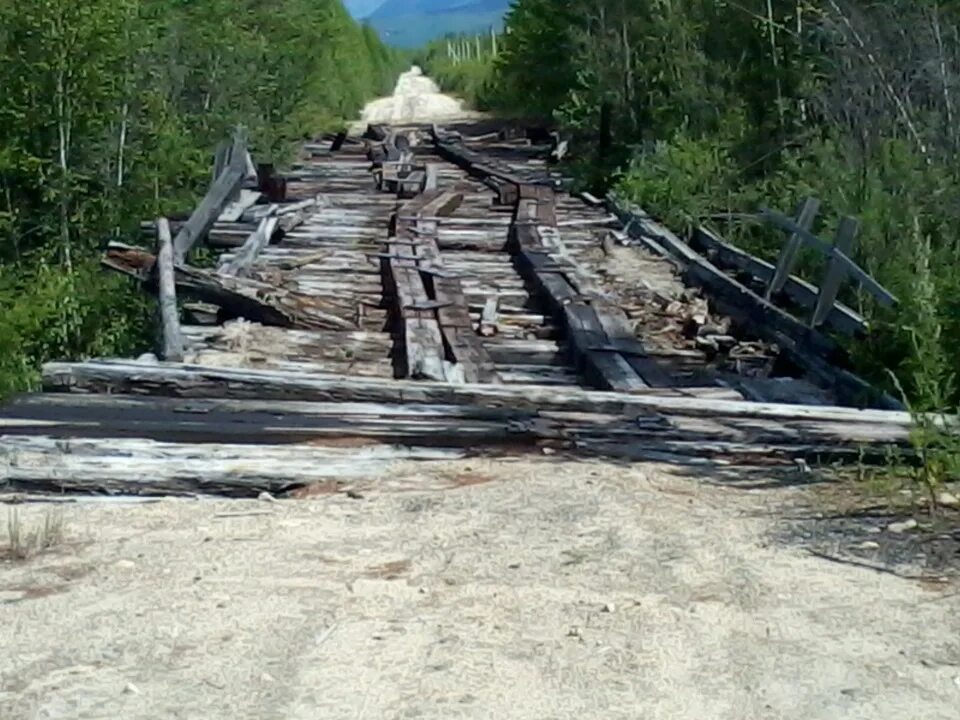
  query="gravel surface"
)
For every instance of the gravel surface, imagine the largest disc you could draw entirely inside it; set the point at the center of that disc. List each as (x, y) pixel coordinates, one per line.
(416, 99)
(524, 589)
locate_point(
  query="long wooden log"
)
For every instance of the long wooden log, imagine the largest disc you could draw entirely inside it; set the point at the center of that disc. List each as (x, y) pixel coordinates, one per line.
(151, 468)
(222, 421)
(238, 297)
(167, 292)
(175, 380)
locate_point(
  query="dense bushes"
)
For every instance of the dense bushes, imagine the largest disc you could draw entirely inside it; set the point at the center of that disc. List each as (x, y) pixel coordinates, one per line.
(111, 109)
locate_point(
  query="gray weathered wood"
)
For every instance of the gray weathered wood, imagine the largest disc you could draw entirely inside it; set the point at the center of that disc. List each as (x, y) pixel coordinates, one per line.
(488, 319)
(840, 317)
(167, 292)
(788, 253)
(175, 380)
(212, 205)
(836, 271)
(882, 295)
(432, 177)
(239, 265)
(238, 297)
(144, 467)
(236, 209)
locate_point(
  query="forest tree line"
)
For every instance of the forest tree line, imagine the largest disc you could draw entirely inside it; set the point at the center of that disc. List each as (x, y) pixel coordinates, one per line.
(718, 106)
(111, 111)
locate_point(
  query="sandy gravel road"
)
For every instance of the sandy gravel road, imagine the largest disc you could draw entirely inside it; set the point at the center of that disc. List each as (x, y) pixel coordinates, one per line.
(474, 589)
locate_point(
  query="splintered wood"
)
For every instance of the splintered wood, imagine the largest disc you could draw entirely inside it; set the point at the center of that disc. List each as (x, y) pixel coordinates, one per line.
(411, 295)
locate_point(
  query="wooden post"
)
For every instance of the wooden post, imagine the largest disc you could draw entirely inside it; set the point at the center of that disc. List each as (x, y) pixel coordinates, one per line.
(788, 254)
(221, 192)
(836, 271)
(432, 178)
(169, 314)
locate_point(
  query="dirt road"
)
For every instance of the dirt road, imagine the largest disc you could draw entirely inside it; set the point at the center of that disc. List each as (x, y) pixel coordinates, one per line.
(529, 590)
(415, 99)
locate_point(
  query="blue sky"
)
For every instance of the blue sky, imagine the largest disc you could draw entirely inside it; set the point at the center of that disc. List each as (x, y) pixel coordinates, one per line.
(362, 8)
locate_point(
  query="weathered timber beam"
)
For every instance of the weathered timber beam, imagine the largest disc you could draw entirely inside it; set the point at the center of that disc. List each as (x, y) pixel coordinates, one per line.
(419, 330)
(239, 265)
(176, 380)
(144, 467)
(223, 189)
(224, 421)
(594, 349)
(473, 362)
(237, 297)
(167, 293)
(882, 295)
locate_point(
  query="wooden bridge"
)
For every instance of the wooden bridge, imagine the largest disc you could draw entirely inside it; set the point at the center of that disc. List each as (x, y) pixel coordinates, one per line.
(427, 292)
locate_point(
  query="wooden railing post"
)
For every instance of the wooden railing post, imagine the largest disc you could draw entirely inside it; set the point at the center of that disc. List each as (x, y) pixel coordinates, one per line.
(788, 253)
(836, 271)
(225, 188)
(172, 339)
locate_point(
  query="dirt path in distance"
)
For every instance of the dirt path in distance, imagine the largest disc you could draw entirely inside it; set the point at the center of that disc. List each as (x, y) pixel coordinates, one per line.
(416, 99)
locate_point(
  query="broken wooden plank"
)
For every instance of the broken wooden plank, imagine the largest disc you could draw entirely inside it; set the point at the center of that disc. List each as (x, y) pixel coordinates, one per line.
(488, 318)
(235, 210)
(220, 193)
(239, 265)
(144, 467)
(237, 297)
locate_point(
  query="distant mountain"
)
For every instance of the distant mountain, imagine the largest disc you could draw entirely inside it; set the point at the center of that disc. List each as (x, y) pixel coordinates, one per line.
(410, 23)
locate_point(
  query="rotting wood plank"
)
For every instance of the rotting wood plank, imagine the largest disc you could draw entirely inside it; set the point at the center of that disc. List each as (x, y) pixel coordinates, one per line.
(237, 297)
(836, 271)
(178, 380)
(594, 350)
(239, 265)
(144, 467)
(453, 312)
(223, 189)
(418, 330)
(222, 421)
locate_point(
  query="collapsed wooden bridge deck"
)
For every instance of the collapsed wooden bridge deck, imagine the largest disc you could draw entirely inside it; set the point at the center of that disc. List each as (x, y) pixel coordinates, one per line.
(422, 294)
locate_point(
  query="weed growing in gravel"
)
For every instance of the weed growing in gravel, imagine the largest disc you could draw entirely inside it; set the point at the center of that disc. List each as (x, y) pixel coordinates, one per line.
(23, 543)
